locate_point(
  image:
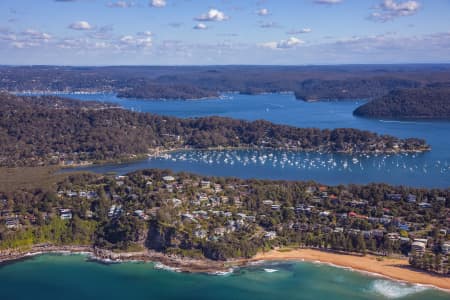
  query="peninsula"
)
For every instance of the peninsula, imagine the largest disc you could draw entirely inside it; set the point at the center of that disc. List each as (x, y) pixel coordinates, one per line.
(37, 131)
(431, 102)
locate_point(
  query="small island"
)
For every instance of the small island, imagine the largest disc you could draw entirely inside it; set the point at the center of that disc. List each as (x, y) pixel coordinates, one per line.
(168, 91)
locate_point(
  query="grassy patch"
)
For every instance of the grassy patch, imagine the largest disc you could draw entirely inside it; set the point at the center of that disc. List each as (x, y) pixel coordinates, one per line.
(12, 179)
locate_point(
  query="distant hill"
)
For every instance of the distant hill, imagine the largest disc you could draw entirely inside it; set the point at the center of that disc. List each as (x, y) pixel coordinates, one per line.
(308, 83)
(432, 102)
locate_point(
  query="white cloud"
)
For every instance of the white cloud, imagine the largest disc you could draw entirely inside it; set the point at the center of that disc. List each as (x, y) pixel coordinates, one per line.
(18, 45)
(100, 45)
(328, 1)
(102, 33)
(391, 9)
(122, 4)
(263, 12)
(141, 40)
(81, 25)
(269, 25)
(24, 44)
(283, 44)
(36, 35)
(25, 39)
(145, 33)
(300, 31)
(8, 37)
(212, 15)
(200, 26)
(83, 44)
(158, 3)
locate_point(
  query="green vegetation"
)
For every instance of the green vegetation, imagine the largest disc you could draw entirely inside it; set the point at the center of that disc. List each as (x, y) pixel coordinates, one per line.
(422, 103)
(37, 131)
(155, 91)
(224, 218)
(55, 231)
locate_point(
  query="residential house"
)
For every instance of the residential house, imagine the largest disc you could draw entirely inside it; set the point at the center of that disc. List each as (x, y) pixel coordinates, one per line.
(65, 214)
(418, 247)
(270, 235)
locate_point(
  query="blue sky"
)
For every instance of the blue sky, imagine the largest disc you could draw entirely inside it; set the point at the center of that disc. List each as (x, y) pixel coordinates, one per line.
(199, 32)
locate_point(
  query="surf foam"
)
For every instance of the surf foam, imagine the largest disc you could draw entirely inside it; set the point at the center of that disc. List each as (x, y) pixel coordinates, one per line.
(394, 290)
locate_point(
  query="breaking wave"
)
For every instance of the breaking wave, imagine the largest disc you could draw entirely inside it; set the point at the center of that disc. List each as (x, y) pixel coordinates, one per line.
(393, 290)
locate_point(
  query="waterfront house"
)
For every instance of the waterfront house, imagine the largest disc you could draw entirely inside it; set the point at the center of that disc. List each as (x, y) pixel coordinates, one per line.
(12, 223)
(403, 227)
(324, 213)
(270, 235)
(411, 198)
(138, 212)
(425, 205)
(65, 214)
(275, 207)
(204, 184)
(176, 202)
(188, 217)
(404, 240)
(394, 197)
(441, 199)
(338, 230)
(418, 246)
(200, 233)
(220, 231)
(446, 248)
(115, 211)
(217, 188)
(357, 216)
(267, 202)
(393, 236)
(377, 233)
(168, 178)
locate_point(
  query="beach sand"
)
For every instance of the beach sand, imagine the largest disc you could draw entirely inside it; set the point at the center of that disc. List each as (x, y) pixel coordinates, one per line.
(394, 268)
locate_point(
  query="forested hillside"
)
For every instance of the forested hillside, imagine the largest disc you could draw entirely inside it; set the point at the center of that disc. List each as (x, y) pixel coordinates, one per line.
(421, 103)
(50, 130)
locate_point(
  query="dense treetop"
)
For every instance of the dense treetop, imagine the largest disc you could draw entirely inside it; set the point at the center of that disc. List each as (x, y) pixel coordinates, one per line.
(420, 103)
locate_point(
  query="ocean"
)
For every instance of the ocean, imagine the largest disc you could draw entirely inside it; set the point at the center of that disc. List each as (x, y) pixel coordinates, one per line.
(74, 277)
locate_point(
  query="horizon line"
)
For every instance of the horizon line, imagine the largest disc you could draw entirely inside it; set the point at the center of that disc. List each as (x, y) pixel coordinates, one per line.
(232, 65)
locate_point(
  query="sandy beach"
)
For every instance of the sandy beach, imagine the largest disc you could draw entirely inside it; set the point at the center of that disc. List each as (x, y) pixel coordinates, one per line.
(393, 268)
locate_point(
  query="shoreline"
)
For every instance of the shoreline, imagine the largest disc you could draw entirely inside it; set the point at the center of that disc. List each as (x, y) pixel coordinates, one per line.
(178, 263)
(395, 269)
(163, 152)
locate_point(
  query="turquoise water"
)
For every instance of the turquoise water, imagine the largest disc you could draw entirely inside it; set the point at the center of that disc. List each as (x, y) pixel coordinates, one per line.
(72, 277)
(431, 169)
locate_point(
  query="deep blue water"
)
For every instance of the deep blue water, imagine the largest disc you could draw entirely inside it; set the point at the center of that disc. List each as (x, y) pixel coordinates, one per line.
(431, 169)
(71, 277)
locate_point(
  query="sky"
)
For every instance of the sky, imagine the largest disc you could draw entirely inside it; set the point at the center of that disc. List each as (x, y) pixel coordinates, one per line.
(221, 32)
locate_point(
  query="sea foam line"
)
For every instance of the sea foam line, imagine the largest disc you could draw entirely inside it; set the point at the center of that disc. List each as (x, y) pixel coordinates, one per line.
(378, 275)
